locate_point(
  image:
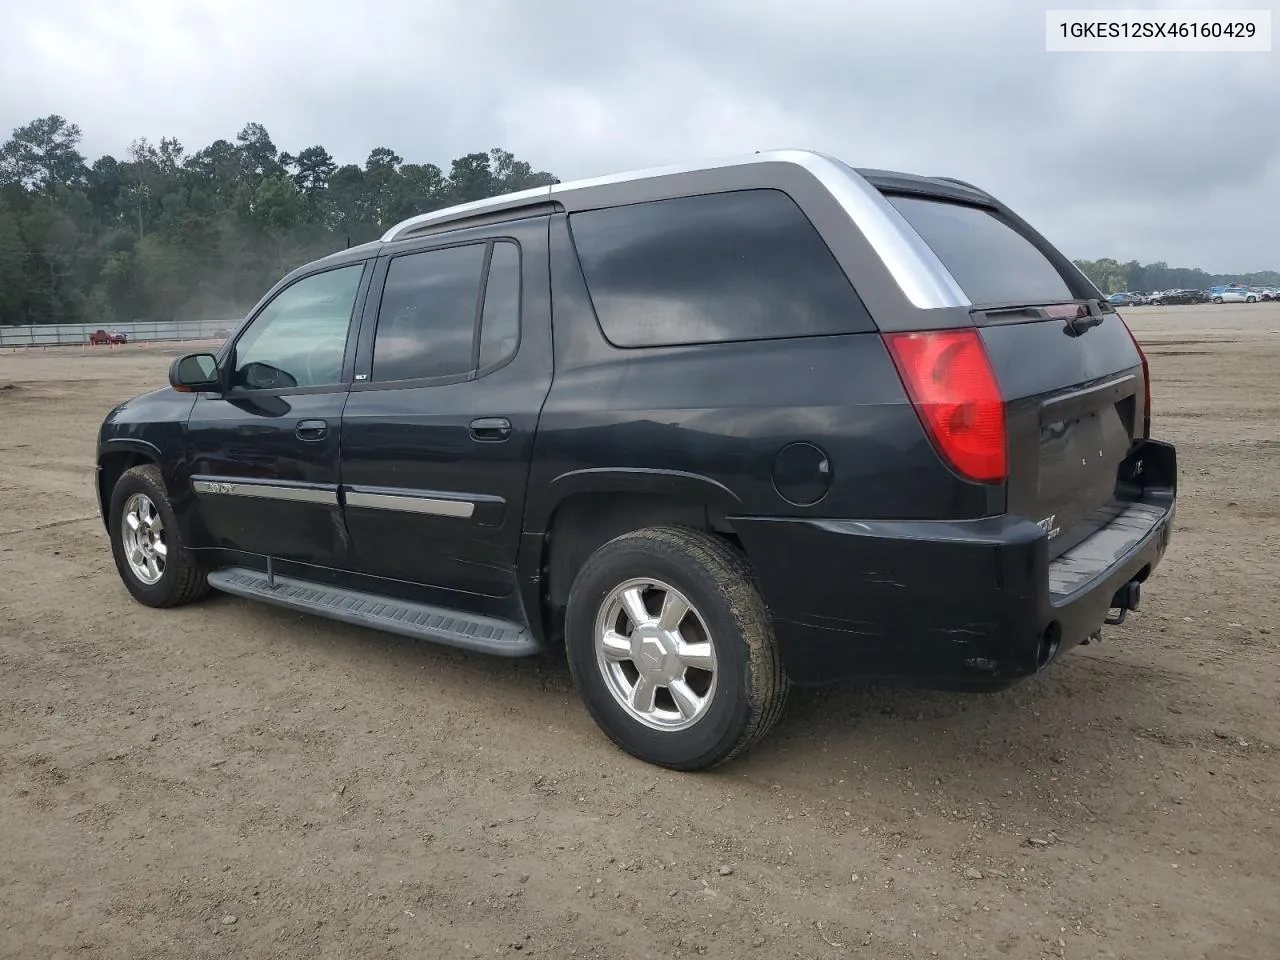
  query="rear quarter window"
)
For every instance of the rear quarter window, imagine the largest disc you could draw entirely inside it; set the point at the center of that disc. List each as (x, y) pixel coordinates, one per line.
(500, 314)
(992, 262)
(745, 265)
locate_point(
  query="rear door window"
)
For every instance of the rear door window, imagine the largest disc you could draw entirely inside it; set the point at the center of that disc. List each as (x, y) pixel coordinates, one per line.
(427, 318)
(992, 262)
(743, 265)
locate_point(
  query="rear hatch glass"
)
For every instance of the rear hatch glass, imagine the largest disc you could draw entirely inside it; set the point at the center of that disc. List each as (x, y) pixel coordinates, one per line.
(1073, 390)
(992, 262)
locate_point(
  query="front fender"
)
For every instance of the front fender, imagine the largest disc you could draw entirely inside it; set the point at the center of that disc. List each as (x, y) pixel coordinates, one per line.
(148, 428)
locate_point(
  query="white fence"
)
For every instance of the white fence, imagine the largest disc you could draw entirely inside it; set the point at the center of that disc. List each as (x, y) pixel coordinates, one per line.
(55, 334)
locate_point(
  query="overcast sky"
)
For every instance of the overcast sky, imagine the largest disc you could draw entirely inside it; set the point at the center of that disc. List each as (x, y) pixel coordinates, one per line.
(1171, 157)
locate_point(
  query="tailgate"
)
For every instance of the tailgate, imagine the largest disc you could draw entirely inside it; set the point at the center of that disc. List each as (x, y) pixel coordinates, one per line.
(1074, 410)
(1070, 373)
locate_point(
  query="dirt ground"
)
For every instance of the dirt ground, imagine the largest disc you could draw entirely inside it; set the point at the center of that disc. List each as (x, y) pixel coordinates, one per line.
(229, 779)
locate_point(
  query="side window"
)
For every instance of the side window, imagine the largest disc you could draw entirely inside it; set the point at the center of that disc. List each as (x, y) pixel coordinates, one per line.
(745, 265)
(500, 318)
(427, 317)
(300, 337)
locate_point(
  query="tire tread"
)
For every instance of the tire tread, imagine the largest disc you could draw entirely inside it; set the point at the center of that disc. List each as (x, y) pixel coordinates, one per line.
(733, 577)
(190, 583)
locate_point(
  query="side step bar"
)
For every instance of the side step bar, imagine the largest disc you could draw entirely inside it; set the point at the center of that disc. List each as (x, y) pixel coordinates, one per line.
(503, 638)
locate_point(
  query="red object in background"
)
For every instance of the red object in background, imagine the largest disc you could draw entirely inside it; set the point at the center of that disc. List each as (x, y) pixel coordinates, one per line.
(102, 336)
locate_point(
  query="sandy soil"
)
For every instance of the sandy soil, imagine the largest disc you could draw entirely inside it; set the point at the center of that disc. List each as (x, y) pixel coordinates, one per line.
(232, 780)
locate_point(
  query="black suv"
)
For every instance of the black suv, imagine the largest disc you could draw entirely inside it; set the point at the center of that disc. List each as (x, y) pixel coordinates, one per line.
(715, 428)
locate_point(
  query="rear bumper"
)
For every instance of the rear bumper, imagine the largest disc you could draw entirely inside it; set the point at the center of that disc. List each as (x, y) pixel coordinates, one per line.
(975, 602)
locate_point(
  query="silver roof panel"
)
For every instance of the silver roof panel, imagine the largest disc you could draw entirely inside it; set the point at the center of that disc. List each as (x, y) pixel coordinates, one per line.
(924, 281)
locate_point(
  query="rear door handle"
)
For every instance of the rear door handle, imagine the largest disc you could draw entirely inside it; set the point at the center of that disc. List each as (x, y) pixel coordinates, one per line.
(490, 429)
(311, 429)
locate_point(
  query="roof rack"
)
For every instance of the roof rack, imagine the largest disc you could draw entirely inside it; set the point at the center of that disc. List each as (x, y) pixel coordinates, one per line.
(463, 211)
(539, 195)
(913, 264)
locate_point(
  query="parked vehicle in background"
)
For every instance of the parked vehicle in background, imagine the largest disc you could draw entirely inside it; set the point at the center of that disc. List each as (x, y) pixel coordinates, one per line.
(1233, 293)
(1178, 296)
(99, 337)
(716, 428)
(1124, 300)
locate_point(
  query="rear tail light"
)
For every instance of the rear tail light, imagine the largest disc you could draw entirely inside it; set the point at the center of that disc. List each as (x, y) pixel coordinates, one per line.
(951, 384)
(1146, 385)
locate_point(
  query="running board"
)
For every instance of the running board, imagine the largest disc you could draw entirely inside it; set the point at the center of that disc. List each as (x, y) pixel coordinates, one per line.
(503, 638)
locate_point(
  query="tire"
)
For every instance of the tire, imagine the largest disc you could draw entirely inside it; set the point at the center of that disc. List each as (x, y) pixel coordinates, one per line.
(719, 712)
(1250, 299)
(180, 579)
(1217, 299)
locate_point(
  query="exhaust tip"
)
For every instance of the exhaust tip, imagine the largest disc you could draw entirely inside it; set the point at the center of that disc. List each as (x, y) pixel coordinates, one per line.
(1050, 644)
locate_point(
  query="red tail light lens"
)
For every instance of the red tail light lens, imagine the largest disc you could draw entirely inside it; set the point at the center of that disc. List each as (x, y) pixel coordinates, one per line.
(949, 378)
(1146, 385)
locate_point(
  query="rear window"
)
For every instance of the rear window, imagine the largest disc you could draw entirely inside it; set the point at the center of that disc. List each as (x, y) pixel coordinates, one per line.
(992, 262)
(743, 265)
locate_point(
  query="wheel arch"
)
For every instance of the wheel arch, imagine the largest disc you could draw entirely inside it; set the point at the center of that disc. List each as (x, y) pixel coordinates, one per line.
(114, 458)
(588, 508)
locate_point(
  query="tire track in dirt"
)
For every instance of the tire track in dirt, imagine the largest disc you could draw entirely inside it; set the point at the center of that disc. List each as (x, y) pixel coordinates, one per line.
(340, 792)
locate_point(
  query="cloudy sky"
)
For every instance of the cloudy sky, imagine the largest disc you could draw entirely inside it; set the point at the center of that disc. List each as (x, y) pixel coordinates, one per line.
(1171, 157)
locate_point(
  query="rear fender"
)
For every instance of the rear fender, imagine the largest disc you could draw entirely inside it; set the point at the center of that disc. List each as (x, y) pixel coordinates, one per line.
(637, 480)
(585, 509)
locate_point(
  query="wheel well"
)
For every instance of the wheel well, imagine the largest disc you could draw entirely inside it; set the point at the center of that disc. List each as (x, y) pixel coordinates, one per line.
(111, 468)
(585, 522)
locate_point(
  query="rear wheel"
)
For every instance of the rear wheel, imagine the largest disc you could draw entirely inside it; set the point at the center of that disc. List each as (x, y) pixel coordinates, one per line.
(151, 559)
(1217, 299)
(671, 647)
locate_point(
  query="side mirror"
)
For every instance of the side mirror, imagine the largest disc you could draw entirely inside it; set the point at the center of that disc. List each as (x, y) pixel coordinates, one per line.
(195, 371)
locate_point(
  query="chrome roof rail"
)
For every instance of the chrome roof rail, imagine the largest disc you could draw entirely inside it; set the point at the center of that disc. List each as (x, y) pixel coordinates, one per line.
(914, 266)
(463, 210)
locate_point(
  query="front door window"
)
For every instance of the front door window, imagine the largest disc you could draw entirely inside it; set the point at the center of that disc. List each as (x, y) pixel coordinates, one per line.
(300, 337)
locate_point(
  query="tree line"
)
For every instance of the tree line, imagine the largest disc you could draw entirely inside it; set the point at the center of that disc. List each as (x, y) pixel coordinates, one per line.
(165, 233)
(1110, 276)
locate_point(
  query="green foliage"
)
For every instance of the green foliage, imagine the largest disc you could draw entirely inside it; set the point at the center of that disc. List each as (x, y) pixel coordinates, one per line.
(163, 233)
(1110, 276)
(42, 153)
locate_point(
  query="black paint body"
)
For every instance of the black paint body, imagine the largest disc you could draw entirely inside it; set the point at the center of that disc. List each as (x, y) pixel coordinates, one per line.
(900, 568)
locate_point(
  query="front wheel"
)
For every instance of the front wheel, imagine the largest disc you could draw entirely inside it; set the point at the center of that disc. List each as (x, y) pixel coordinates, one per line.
(1217, 299)
(151, 559)
(671, 647)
